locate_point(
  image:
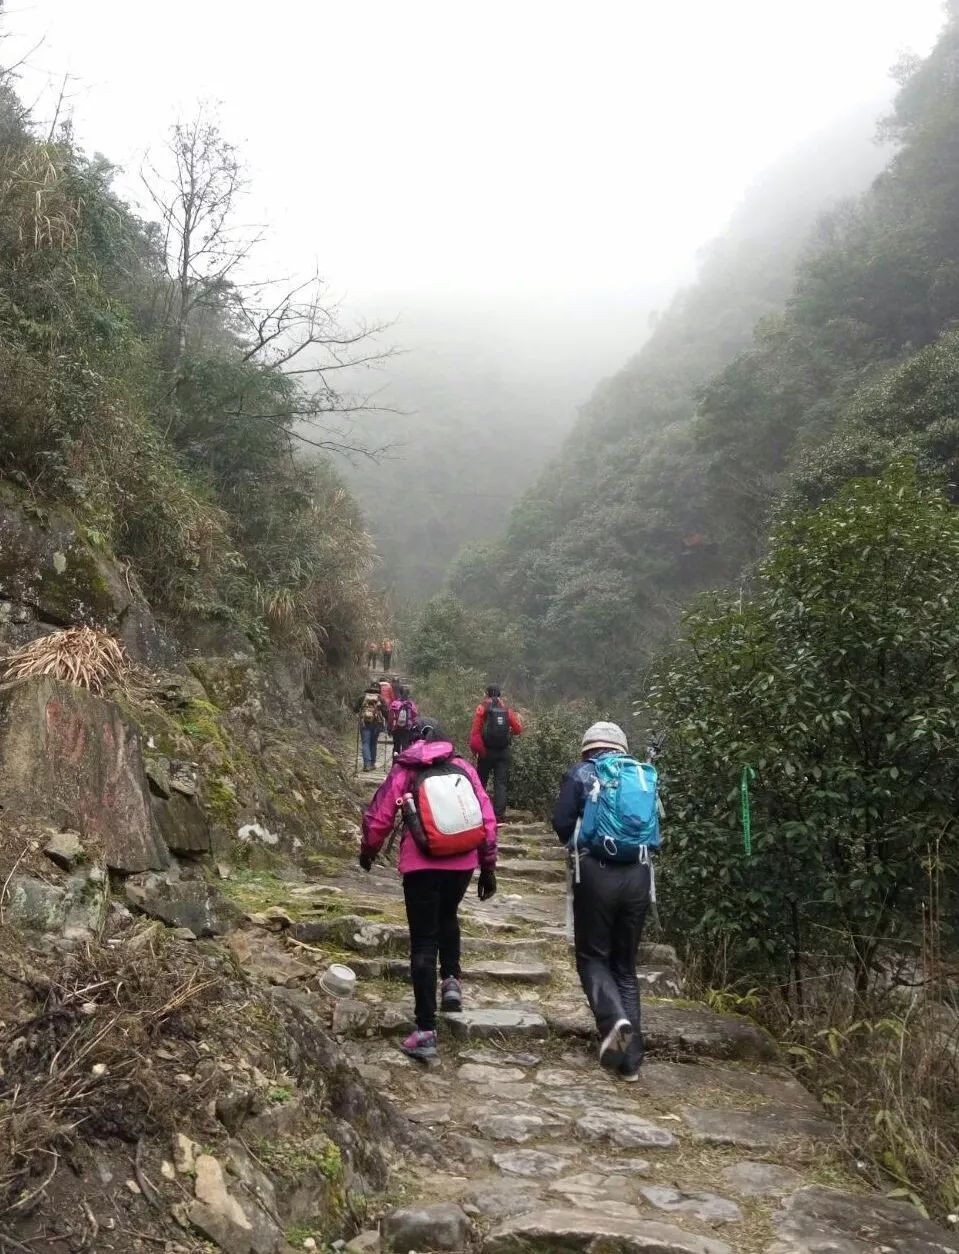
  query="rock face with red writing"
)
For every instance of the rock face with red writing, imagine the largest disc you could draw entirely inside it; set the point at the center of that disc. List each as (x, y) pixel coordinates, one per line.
(71, 760)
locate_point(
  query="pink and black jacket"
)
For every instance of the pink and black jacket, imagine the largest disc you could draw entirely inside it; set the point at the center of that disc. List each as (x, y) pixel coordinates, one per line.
(381, 813)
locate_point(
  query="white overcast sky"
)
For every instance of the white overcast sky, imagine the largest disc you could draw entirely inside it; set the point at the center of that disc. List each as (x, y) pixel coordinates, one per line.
(523, 150)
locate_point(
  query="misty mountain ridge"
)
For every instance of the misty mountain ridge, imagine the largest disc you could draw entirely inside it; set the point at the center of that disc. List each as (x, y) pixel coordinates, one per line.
(503, 380)
(665, 485)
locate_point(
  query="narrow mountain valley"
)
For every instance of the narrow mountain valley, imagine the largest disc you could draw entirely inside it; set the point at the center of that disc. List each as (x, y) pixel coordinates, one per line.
(220, 591)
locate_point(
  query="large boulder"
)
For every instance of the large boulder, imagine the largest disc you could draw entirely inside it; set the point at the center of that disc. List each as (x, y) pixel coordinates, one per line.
(52, 574)
(819, 1219)
(443, 1226)
(76, 908)
(70, 759)
(182, 823)
(190, 904)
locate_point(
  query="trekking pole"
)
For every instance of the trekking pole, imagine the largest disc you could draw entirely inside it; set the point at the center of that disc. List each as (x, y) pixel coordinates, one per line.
(653, 750)
(356, 758)
(397, 823)
(570, 926)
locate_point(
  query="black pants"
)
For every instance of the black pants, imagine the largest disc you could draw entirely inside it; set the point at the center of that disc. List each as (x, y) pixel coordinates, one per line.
(432, 900)
(497, 765)
(387, 659)
(609, 909)
(401, 740)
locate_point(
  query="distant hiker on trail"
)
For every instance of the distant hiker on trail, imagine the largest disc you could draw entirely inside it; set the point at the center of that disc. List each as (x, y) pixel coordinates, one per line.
(372, 652)
(387, 691)
(387, 654)
(448, 830)
(607, 815)
(494, 726)
(372, 710)
(402, 717)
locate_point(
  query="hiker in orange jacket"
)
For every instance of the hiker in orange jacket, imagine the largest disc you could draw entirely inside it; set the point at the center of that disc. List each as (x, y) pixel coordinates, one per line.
(494, 726)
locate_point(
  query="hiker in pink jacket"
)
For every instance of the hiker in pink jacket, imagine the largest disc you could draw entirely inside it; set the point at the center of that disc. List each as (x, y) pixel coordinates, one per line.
(434, 884)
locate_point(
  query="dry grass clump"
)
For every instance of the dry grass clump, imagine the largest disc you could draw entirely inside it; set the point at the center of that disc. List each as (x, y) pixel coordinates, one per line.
(79, 1052)
(80, 655)
(891, 1078)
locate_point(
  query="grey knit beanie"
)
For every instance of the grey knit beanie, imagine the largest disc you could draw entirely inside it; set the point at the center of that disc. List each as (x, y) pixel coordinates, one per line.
(605, 736)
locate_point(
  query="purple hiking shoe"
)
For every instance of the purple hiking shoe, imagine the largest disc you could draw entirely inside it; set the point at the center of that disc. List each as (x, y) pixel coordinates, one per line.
(451, 995)
(421, 1045)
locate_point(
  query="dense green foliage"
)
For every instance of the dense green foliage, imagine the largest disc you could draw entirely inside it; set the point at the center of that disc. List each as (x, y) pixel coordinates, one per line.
(178, 456)
(446, 636)
(838, 683)
(775, 377)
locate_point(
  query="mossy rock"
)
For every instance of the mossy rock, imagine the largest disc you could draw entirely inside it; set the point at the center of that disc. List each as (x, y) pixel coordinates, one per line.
(228, 681)
(49, 564)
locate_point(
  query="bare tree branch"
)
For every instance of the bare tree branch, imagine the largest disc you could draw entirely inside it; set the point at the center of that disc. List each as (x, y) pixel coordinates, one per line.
(275, 324)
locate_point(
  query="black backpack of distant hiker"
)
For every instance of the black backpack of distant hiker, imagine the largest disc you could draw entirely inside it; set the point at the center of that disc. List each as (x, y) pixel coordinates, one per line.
(496, 728)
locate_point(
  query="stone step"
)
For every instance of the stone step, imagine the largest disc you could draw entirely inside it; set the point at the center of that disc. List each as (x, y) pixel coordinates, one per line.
(680, 1031)
(543, 1231)
(361, 1018)
(518, 948)
(349, 931)
(473, 969)
(492, 1022)
(649, 954)
(659, 982)
(531, 869)
(519, 849)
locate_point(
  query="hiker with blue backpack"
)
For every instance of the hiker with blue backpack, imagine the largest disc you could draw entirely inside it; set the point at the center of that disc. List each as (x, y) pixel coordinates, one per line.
(607, 815)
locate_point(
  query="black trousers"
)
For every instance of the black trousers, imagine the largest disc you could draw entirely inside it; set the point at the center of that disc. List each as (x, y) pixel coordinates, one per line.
(497, 765)
(387, 659)
(401, 740)
(432, 900)
(609, 909)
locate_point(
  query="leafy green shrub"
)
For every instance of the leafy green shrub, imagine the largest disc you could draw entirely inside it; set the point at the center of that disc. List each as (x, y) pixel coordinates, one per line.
(548, 747)
(451, 696)
(838, 683)
(447, 636)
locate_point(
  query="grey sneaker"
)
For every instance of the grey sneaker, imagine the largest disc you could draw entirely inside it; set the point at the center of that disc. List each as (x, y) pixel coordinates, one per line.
(451, 995)
(614, 1044)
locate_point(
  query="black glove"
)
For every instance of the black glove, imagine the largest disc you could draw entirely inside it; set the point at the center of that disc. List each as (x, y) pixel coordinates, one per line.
(366, 860)
(487, 885)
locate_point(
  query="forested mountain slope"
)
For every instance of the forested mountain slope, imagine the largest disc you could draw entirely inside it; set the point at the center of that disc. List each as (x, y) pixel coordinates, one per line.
(483, 393)
(144, 390)
(774, 373)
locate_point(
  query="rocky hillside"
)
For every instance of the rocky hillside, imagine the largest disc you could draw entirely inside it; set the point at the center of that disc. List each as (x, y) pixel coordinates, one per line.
(177, 857)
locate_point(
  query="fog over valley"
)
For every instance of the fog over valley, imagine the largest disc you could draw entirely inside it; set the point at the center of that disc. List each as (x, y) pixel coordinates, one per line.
(515, 190)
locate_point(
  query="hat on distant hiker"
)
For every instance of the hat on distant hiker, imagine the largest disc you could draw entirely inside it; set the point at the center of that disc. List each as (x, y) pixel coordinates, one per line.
(428, 729)
(605, 736)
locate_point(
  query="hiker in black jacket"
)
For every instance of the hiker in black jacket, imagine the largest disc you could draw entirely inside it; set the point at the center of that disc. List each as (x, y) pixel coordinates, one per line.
(494, 726)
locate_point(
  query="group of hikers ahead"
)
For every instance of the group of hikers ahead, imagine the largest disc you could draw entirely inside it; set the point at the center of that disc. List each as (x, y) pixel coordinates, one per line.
(385, 707)
(607, 816)
(375, 650)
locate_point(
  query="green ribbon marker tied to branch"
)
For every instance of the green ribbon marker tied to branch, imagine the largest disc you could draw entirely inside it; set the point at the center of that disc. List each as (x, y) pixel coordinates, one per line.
(748, 774)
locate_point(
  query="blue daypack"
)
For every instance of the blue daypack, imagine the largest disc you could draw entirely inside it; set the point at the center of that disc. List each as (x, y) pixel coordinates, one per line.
(621, 815)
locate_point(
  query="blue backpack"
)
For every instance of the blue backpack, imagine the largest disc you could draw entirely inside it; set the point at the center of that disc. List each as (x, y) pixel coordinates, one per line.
(621, 816)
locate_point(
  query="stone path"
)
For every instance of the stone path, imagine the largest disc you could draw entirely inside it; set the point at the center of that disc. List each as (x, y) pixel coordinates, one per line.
(716, 1150)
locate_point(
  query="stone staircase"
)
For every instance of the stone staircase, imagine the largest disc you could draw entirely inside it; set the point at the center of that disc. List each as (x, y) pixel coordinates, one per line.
(533, 1147)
